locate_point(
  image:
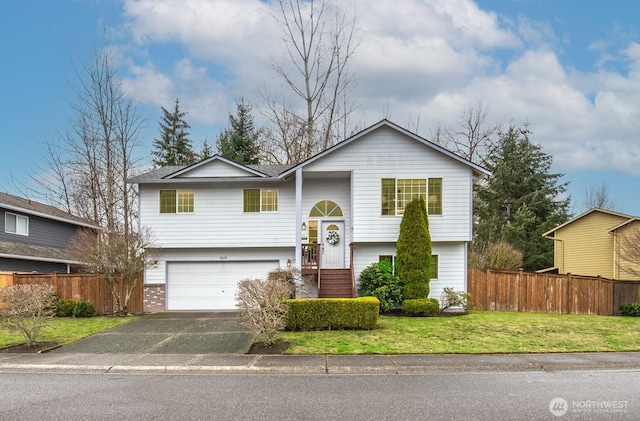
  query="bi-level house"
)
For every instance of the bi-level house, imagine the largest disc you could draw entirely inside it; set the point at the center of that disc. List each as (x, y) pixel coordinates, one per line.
(34, 236)
(216, 222)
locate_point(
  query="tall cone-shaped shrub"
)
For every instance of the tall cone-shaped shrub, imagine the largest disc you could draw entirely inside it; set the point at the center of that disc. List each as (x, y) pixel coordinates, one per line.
(413, 251)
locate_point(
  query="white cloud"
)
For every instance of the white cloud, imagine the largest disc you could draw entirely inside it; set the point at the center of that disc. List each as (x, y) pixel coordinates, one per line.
(418, 60)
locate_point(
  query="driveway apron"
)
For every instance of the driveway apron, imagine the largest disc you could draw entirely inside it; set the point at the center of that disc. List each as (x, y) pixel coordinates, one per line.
(170, 333)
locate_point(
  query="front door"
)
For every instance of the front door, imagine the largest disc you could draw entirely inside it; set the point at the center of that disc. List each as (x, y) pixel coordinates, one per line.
(332, 245)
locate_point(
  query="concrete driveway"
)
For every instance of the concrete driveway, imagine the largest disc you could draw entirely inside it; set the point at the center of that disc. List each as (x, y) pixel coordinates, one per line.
(170, 333)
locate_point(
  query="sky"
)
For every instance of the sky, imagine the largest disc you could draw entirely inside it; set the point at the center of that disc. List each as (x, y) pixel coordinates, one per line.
(570, 69)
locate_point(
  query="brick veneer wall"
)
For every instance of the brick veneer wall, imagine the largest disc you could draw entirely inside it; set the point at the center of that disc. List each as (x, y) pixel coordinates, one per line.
(154, 298)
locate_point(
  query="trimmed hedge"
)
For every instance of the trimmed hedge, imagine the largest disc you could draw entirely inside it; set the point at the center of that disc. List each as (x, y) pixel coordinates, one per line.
(333, 313)
(421, 307)
(630, 309)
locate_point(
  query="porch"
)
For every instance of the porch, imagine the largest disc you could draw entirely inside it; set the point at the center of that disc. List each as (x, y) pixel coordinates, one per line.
(332, 282)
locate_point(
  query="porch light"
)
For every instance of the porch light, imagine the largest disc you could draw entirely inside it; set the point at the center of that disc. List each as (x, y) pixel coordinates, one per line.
(155, 264)
(289, 263)
(304, 226)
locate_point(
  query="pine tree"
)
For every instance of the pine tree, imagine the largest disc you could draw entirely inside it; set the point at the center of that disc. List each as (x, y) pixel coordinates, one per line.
(520, 200)
(239, 142)
(206, 151)
(174, 146)
(413, 251)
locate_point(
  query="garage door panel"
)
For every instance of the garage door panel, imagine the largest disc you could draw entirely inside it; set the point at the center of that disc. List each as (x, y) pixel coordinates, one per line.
(209, 285)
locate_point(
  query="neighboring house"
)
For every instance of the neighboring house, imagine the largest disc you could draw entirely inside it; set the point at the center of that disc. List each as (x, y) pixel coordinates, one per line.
(34, 236)
(216, 222)
(589, 244)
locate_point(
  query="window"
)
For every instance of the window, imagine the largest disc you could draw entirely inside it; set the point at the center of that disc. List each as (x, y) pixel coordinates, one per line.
(260, 200)
(392, 259)
(396, 193)
(16, 224)
(177, 201)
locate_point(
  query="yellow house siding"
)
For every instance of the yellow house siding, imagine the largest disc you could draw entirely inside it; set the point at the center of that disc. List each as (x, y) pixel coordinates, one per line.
(585, 247)
(620, 267)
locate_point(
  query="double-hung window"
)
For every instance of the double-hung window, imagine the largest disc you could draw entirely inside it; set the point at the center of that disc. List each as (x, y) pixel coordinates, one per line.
(177, 201)
(16, 224)
(398, 192)
(260, 200)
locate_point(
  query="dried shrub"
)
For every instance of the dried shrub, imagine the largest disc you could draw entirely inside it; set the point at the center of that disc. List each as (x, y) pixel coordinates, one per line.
(262, 306)
(500, 256)
(26, 308)
(452, 298)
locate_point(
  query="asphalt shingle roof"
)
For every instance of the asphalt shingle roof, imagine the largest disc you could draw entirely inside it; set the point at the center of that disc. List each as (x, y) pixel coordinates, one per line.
(30, 206)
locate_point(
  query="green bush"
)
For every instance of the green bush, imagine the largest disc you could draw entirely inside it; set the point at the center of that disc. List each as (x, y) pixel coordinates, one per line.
(377, 280)
(421, 307)
(68, 307)
(65, 306)
(630, 309)
(83, 309)
(333, 313)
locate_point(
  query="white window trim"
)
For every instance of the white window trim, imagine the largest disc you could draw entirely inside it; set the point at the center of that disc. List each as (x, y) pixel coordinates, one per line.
(395, 202)
(263, 211)
(26, 218)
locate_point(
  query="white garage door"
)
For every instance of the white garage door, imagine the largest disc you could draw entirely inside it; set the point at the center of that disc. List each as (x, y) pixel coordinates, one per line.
(209, 285)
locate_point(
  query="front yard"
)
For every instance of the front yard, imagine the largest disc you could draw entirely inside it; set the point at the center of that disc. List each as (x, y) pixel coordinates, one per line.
(63, 330)
(475, 333)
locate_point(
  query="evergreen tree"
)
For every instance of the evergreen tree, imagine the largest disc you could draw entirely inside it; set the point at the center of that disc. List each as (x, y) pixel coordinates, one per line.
(174, 146)
(239, 142)
(520, 200)
(206, 151)
(413, 251)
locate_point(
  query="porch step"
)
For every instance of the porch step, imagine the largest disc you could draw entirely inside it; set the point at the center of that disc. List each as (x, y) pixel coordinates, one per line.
(335, 283)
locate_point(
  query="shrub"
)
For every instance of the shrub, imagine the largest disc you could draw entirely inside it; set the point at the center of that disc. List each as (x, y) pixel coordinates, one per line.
(421, 307)
(500, 255)
(333, 313)
(377, 280)
(452, 298)
(67, 307)
(288, 276)
(262, 305)
(413, 253)
(64, 307)
(629, 309)
(83, 309)
(26, 308)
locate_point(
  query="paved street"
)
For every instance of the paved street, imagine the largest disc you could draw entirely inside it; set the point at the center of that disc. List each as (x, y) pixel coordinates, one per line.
(597, 395)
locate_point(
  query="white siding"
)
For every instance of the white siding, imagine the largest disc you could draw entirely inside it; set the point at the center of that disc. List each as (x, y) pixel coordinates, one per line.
(386, 153)
(219, 220)
(451, 264)
(216, 169)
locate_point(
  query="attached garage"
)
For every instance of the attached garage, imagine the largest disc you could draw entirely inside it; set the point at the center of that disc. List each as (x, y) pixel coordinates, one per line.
(209, 285)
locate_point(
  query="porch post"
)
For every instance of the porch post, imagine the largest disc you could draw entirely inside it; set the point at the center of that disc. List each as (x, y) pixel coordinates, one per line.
(298, 257)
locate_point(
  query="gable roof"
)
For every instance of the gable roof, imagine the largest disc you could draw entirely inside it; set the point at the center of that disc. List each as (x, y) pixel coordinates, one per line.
(477, 169)
(280, 172)
(22, 251)
(590, 211)
(627, 222)
(31, 207)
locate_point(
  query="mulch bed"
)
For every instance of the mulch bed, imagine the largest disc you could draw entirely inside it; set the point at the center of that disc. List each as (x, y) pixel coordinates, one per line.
(277, 348)
(38, 348)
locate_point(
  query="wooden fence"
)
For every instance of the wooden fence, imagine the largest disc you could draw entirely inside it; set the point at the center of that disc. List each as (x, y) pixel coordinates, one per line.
(86, 287)
(548, 293)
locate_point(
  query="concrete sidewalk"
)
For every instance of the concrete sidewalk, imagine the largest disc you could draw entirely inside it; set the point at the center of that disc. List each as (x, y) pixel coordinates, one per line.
(316, 364)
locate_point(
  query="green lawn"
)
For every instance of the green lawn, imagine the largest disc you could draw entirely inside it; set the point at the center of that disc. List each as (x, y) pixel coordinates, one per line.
(476, 333)
(63, 329)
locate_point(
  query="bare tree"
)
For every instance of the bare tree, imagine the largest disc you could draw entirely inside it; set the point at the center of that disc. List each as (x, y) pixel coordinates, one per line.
(598, 197)
(471, 138)
(118, 258)
(87, 167)
(27, 308)
(320, 42)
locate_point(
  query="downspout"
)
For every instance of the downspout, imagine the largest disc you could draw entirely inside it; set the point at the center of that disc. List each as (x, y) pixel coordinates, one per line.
(298, 257)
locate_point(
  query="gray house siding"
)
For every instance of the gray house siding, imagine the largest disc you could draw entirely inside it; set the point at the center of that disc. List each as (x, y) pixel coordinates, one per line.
(42, 231)
(19, 265)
